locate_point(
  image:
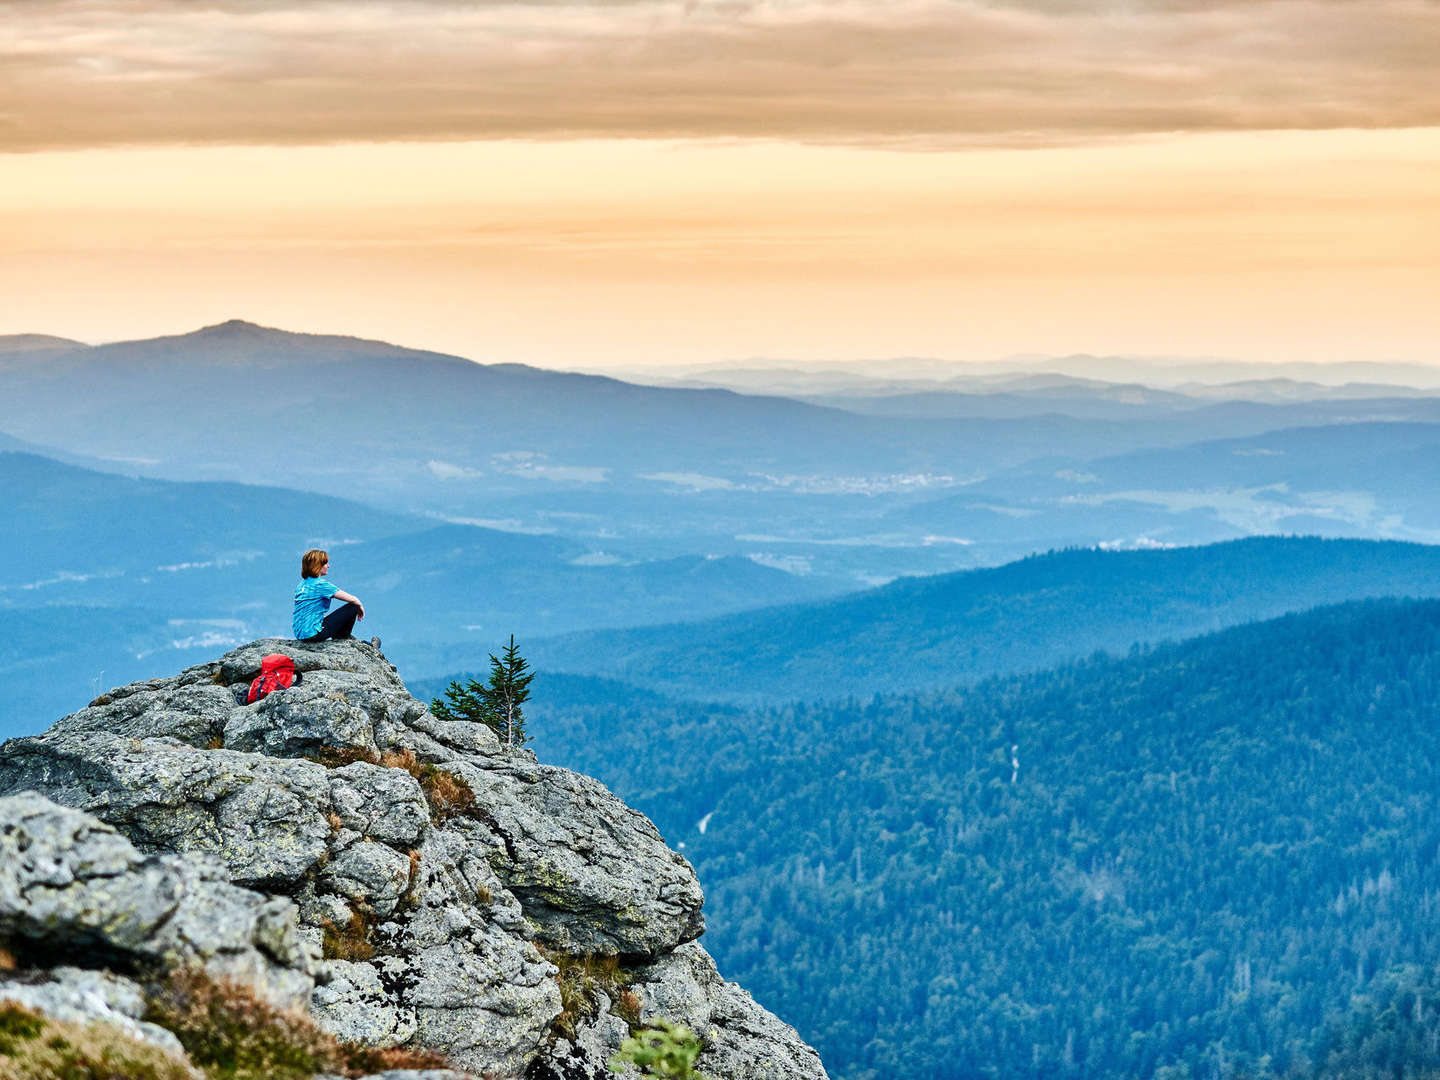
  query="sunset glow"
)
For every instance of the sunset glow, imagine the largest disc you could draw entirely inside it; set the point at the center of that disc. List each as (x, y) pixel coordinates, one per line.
(588, 185)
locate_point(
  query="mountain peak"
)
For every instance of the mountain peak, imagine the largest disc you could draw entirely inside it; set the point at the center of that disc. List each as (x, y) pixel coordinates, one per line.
(235, 328)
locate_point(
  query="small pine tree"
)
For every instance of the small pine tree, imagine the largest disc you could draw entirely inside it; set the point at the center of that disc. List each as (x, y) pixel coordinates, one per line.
(465, 702)
(509, 689)
(497, 704)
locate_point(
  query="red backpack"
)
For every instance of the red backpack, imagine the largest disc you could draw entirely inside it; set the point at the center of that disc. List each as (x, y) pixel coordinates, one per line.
(277, 671)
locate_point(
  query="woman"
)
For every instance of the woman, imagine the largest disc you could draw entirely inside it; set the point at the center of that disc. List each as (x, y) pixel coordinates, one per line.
(312, 600)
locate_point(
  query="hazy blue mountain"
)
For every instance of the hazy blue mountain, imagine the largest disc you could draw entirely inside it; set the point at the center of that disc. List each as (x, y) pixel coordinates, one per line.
(1178, 371)
(421, 429)
(1287, 390)
(785, 381)
(1027, 393)
(10, 444)
(1385, 457)
(1021, 525)
(1214, 857)
(1351, 479)
(56, 657)
(848, 500)
(1117, 402)
(448, 596)
(937, 631)
(137, 577)
(238, 396)
(61, 519)
(28, 348)
(97, 531)
(1202, 377)
(1166, 418)
(105, 579)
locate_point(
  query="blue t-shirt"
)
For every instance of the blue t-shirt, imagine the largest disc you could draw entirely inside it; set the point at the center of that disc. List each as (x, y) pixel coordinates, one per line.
(312, 600)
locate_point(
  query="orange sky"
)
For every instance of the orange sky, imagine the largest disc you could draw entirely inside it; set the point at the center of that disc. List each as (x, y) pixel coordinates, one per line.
(594, 184)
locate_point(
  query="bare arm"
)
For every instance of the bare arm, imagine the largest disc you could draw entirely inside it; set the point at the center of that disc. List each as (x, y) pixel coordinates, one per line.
(345, 598)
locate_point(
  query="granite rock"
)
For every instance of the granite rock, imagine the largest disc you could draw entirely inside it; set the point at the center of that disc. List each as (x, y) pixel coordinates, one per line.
(72, 887)
(438, 871)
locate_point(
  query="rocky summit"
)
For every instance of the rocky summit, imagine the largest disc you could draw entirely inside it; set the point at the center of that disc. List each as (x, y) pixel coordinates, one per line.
(337, 849)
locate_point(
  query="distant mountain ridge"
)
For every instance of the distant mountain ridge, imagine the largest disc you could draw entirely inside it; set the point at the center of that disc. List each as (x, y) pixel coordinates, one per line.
(943, 630)
(439, 432)
(1173, 371)
(16, 344)
(184, 399)
(916, 374)
(829, 495)
(246, 344)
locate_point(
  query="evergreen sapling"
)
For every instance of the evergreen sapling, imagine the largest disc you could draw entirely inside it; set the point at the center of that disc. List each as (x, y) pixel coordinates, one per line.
(508, 691)
(498, 703)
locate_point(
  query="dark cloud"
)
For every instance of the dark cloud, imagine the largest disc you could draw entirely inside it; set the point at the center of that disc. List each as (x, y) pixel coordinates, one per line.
(921, 72)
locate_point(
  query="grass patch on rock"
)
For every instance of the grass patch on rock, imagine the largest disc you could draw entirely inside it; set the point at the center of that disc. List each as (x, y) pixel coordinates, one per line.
(350, 941)
(448, 793)
(582, 979)
(233, 1035)
(35, 1047)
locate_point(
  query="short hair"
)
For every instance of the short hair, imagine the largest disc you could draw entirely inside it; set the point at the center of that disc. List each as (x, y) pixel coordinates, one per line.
(312, 561)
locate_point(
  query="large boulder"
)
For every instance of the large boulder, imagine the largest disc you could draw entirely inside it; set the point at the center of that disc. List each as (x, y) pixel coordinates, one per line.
(72, 887)
(592, 875)
(436, 872)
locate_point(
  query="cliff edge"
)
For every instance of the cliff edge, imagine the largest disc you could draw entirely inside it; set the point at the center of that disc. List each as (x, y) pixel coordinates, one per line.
(409, 881)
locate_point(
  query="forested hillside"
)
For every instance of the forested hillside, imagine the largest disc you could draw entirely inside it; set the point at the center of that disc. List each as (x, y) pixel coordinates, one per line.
(1211, 859)
(937, 631)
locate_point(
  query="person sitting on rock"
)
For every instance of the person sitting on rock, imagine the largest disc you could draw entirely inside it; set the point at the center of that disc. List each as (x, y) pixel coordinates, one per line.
(312, 601)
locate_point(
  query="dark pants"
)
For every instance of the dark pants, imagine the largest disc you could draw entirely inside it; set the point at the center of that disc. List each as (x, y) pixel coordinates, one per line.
(338, 624)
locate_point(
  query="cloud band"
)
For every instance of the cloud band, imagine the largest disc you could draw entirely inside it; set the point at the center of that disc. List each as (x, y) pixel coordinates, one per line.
(77, 73)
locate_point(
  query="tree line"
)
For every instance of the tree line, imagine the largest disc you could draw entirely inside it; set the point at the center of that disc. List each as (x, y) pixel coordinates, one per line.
(1199, 861)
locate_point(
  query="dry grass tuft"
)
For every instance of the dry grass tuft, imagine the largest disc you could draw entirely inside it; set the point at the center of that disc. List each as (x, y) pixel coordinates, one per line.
(335, 822)
(447, 793)
(627, 1006)
(233, 1035)
(351, 941)
(361, 1060)
(35, 1047)
(333, 758)
(581, 980)
(18, 1025)
(410, 898)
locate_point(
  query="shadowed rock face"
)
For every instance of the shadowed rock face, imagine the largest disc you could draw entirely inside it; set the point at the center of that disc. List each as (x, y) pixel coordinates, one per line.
(429, 905)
